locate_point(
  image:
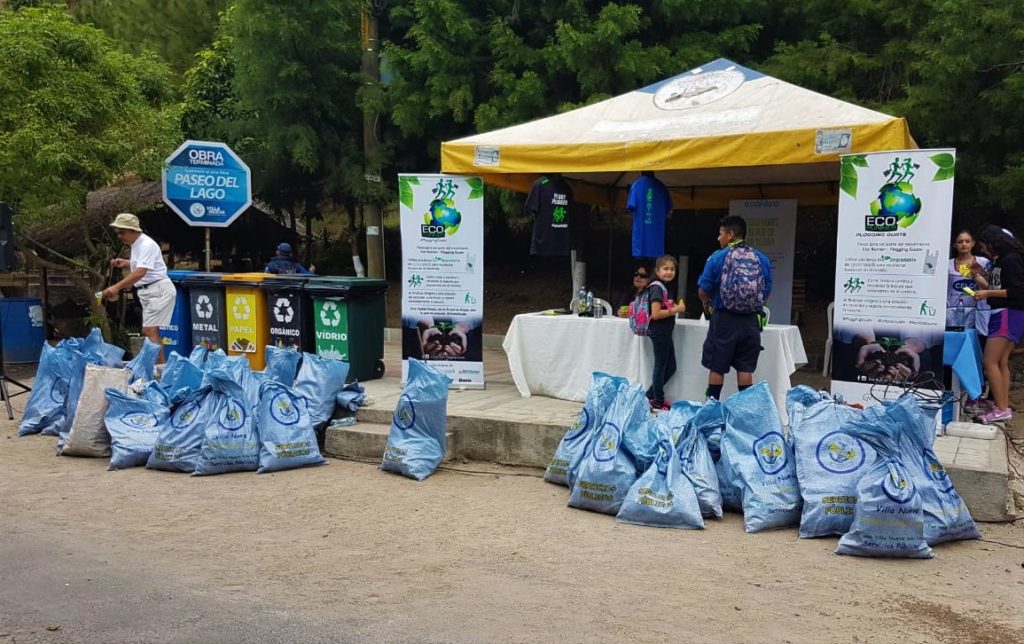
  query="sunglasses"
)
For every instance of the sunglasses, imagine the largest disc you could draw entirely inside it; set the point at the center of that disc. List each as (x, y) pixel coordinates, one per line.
(639, 274)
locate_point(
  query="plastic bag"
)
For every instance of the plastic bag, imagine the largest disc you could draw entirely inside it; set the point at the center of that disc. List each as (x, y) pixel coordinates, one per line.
(143, 364)
(761, 460)
(319, 381)
(351, 397)
(180, 376)
(640, 428)
(134, 426)
(286, 435)
(44, 411)
(803, 396)
(829, 464)
(88, 434)
(888, 521)
(695, 458)
(607, 470)
(282, 363)
(215, 360)
(230, 442)
(663, 496)
(107, 355)
(155, 392)
(710, 421)
(76, 378)
(417, 441)
(946, 517)
(600, 396)
(198, 356)
(177, 447)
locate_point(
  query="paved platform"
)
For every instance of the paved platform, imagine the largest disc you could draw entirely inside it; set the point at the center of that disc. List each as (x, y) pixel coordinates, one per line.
(980, 471)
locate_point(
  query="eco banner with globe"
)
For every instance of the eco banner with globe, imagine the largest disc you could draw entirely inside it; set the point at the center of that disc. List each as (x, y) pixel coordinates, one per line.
(442, 274)
(895, 214)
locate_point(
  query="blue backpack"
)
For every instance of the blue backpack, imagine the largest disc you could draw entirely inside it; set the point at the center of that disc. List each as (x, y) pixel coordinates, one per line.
(742, 284)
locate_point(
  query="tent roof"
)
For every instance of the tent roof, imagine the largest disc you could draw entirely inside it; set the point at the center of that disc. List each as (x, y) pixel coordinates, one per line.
(716, 132)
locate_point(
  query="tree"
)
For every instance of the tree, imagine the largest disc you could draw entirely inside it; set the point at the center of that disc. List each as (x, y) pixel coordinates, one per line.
(173, 29)
(77, 113)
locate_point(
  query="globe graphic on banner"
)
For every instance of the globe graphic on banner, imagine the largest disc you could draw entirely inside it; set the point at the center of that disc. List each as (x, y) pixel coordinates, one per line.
(442, 212)
(897, 200)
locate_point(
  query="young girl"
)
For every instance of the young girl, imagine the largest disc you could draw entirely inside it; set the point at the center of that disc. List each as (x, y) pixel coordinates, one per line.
(663, 323)
(1003, 287)
(961, 309)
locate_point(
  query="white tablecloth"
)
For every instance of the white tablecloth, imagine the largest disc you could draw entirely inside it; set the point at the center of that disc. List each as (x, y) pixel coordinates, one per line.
(555, 355)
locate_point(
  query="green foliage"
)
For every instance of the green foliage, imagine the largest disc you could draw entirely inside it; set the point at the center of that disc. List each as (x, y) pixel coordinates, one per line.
(173, 29)
(76, 113)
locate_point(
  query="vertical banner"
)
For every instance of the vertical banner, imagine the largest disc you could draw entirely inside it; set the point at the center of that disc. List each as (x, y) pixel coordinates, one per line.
(771, 228)
(442, 273)
(895, 213)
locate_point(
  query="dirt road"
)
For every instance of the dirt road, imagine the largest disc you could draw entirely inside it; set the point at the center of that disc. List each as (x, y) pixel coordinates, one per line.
(347, 553)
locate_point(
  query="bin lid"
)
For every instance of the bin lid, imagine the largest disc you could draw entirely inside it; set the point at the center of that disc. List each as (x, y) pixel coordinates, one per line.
(177, 275)
(282, 282)
(243, 279)
(203, 279)
(341, 286)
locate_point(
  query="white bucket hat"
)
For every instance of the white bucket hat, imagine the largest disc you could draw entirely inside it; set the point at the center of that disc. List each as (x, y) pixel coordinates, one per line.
(126, 221)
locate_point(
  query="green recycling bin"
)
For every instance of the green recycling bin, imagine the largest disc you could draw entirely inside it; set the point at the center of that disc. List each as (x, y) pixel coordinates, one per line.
(348, 322)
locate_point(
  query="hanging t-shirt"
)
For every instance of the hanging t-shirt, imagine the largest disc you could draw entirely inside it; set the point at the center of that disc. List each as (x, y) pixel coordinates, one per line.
(650, 203)
(550, 201)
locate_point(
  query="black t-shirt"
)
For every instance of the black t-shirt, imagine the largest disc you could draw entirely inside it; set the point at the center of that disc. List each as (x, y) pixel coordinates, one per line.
(1007, 272)
(666, 326)
(550, 200)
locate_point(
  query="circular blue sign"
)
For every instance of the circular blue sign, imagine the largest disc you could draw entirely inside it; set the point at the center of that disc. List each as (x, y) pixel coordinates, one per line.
(207, 184)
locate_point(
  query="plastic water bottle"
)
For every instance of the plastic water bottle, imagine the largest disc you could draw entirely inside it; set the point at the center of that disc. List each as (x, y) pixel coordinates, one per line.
(590, 302)
(959, 314)
(581, 300)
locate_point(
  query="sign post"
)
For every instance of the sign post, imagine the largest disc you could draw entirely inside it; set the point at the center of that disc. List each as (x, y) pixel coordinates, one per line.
(207, 185)
(442, 219)
(895, 212)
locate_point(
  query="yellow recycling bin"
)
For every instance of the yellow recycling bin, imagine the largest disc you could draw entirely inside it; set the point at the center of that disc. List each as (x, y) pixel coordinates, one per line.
(246, 307)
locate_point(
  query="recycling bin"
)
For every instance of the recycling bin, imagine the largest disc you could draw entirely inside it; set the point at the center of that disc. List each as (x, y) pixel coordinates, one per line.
(177, 336)
(206, 308)
(348, 322)
(288, 312)
(246, 309)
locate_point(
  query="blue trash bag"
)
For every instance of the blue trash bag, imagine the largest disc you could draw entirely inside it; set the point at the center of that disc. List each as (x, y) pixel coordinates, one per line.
(351, 397)
(230, 441)
(286, 435)
(156, 393)
(829, 464)
(640, 433)
(946, 517)
(805, 396)
(417, 442)
(76, 379)
(608, 469)
(888, 521)
(215, 359)
(44, 411)
(663, 496)
(134, 425)
(198, 356)
(180, 374)
(282, 364)
(108, 355)
(319, 380)
(710, 422)
(696, 462)
(761, 460)
(143, 364)
(621, 385)
(600, 396)
(180, 440)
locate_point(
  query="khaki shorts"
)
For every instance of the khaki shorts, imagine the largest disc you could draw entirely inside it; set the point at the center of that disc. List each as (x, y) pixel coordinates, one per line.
(157, 300)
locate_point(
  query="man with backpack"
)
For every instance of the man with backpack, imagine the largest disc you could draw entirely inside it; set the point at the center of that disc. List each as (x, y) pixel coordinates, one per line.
(733, 288)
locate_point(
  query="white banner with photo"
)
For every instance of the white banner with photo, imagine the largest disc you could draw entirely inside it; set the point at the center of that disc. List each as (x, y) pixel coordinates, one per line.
(771, 228)
(895, 213)
(442, 225)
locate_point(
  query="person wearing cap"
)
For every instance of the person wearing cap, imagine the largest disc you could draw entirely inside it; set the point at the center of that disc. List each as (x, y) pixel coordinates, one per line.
(147, 272)
(283, 264)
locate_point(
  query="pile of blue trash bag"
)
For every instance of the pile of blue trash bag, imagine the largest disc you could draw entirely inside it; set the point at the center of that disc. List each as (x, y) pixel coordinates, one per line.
(870, 477)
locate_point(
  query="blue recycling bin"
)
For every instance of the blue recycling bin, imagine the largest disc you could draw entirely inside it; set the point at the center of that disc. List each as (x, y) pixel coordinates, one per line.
(23, 331)
(178, 335)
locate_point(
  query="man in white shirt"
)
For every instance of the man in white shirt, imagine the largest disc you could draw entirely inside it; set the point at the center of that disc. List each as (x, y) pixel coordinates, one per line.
(148, 274)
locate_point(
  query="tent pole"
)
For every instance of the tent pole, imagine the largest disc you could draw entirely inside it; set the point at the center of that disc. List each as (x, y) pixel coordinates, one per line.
(611, 232)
